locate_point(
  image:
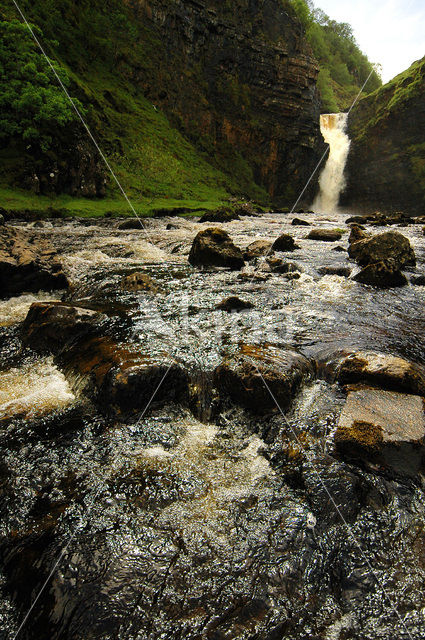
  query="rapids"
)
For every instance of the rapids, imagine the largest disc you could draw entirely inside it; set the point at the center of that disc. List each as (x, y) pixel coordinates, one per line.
(180, 528)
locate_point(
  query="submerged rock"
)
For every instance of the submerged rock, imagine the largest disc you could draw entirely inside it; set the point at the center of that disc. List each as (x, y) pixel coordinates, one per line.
(371, 367)
(334, 271)
(258, 377)
(382, 247)
(139, 282)
(257, 249)
(233, 303)
(27, 264)
(383, 274)
(214, 248)
(284, 242)
(327, 235)
(383, 427)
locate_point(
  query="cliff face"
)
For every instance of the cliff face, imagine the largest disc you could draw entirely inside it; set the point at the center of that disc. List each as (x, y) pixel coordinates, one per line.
(242, 78)
(386, 163)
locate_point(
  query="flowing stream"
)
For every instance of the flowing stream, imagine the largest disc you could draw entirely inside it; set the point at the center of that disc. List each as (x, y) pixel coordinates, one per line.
(189, 529)
(332, 181)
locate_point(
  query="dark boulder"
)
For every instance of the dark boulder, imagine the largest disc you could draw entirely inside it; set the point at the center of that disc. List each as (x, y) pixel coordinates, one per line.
(383, 427)
(326, 235)
(254, 375)
(214, 248)
(383, 274)
(27, 264)
(233, 303)
(390, 245)
(334, 271)
(224, 214)
(131, 224)
(357, 233)
(122, 379)
(300, 223)
(284, 242)
(277, 265)
(50, 326)
(418, 280)
(257, 249)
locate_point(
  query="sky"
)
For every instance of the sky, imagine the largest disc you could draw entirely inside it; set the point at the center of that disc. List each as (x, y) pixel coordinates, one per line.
(390, 32)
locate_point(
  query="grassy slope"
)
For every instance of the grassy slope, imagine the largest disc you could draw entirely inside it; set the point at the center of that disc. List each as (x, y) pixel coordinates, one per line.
(155, 164)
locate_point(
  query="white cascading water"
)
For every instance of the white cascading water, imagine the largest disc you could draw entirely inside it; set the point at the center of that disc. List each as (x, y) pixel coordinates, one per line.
(332, 181)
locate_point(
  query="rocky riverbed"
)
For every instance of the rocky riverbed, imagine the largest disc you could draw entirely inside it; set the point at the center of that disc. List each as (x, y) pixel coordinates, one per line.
(230, 451)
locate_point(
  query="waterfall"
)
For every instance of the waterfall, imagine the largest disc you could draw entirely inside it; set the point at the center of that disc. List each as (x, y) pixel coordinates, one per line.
(332, 180)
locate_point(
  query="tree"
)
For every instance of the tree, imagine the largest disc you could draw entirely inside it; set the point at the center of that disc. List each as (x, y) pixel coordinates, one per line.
(32, 104)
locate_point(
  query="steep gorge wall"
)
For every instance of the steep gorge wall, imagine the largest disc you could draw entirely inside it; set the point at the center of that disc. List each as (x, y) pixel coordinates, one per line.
(386, 163)
(239, 76)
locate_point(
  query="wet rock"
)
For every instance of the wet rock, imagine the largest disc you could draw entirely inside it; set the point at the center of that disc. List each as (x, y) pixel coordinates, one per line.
(334, 271)
(214, 247)
(391, 245)
(50, 326)
(253, 375)
(284, 242)
(383, 274)
(1, 220)
(371, 367)
(224, 214)
(122, 379)
(326, 235)
(139, 282)
(300, 223)
(130, 224)
(277, 265)
(418, 280)
(233, 303)
(27, 264)
(357, 233)
(257, 249)
(339, 249)
(383, 427)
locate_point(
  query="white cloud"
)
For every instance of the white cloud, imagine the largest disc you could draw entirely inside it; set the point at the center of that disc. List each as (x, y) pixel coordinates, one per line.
(390, 32)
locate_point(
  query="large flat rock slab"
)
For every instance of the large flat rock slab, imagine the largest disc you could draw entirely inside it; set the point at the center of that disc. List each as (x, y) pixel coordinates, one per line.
(383, 427)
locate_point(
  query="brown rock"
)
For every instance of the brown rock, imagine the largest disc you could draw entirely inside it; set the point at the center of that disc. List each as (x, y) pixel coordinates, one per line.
(372, 367)
(139, 282)
(327, 235)
(384, 427)
(357, 233)
(214, 247)
(27, 264)
(391, 245)
(122, 378)
(257, 249)
(383, 274)
(254, 374)
(300, 223)
(284, 242)
(50, 326)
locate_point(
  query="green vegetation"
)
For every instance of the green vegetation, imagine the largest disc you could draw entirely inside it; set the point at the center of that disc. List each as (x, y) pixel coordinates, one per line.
(31, 102)
(103, 58)
(343, 67)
